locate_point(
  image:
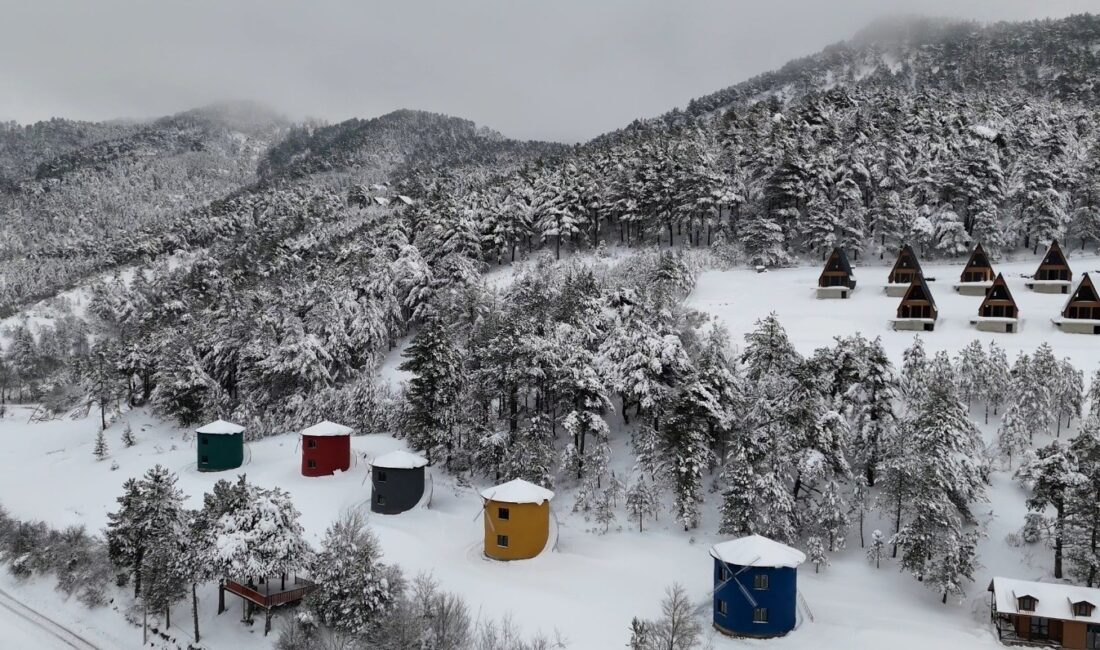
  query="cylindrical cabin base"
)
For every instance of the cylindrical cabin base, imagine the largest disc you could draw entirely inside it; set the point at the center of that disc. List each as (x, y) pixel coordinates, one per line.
(516, 531)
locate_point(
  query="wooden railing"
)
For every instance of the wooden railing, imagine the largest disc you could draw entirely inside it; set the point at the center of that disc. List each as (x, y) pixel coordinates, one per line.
(275, 599)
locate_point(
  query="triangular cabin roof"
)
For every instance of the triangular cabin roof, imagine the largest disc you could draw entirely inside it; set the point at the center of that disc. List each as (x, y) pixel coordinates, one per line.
(1054, 256)
(1084, 295)
(837, 263)
(998, 292)
(978, 260)
(918, 291)
(907, 260)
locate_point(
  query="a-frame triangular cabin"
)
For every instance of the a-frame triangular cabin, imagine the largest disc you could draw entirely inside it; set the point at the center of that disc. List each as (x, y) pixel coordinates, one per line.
(1081, 315)
(836, 279)
(998, 312)
(905, 269)
(977, 276)
(917, 310)
(1053, 274)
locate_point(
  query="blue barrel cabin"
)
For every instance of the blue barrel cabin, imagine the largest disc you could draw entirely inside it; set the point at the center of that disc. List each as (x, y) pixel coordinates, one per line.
(755, 587)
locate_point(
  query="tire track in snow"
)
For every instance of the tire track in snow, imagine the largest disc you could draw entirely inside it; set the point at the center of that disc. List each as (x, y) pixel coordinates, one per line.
(45, 623)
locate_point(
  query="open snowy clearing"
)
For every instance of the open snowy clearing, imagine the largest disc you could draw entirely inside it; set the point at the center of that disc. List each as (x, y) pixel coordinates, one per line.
(592, 586)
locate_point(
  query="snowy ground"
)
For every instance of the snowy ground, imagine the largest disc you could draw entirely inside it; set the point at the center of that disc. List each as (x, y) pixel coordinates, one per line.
(595, 583)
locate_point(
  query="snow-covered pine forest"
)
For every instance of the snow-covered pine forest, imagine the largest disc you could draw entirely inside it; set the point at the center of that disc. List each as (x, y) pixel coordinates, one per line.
(578, 317)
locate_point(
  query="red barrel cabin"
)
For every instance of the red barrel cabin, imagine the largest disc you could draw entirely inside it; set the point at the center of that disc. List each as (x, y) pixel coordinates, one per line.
(326, 449)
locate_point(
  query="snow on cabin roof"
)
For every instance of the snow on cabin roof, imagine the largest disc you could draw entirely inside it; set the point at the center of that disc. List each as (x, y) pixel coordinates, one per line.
(1053, 600)
(757, 550)
(220, 428)
(517, 491)
(327, 428)
(404, 199)
(400, 460)
(381, 200)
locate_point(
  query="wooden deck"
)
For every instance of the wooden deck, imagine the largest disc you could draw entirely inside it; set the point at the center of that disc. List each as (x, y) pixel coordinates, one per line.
(271, 594)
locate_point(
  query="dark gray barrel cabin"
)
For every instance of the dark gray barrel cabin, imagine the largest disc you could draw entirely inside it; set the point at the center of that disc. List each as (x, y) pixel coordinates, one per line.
(397, 482)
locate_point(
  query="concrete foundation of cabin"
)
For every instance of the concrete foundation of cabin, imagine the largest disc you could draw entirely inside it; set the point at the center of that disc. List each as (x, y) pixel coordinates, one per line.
(1048, 287)
(973, 288)
(1078, 327)
(825, 293)
(1000, 326)
(896, 290)
(914, 324)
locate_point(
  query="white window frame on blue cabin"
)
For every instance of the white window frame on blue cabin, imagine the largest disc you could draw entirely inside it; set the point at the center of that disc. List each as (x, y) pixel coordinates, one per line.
(722, 609)
(760, 582)
(760, 615)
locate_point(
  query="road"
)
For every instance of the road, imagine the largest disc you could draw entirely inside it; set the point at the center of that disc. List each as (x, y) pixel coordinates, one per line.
(23, 627)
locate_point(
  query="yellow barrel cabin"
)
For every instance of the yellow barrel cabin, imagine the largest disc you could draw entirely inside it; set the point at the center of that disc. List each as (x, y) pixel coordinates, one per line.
(517, 520)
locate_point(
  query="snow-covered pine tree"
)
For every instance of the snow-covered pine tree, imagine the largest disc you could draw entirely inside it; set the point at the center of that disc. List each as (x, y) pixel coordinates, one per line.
(100, 450)
(914, 374)
(1031, 397)
(943, 465)
(1094, 394)
(997, 379)
(128, 436)
(1069, 394)
(871, 410)
(876, 550)
(126, 534)
(970, 371)
(768, 350)
(815, 549)
(353, 586)
(1051, 473)
(1082, 533)
(433, 392)
(641, 500)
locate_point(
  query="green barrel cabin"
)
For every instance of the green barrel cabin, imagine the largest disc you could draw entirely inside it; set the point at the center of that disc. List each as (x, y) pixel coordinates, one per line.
(220, 446)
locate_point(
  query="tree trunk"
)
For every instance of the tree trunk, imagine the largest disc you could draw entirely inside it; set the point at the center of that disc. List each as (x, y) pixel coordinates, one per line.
(195, 609)
(1059, 526)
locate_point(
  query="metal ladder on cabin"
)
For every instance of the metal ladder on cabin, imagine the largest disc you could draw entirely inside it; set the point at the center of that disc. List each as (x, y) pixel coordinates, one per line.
(805, 606)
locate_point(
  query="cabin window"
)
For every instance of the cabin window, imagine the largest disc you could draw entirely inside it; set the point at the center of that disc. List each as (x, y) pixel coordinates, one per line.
(1040, 627)
(1082, 609)
(1026, 603)
(379, 499)
(760, 581)
(205, 440)
(502, 513)
(760, 615)
(312, 444)
(502, 541)
(723, 574)
(1092, 637)
(312, 464)
(722, 607)
(381, 476)
(206, 459)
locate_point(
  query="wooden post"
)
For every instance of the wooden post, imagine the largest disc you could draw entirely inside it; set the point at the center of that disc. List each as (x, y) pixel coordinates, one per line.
(267, 621)
(283, 587)
(221, 597)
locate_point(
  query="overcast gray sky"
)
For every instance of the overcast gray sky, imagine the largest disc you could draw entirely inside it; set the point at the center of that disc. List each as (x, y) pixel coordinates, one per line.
(549, 69)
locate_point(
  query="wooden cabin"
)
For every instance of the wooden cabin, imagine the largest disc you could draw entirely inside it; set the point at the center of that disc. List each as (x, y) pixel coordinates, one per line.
(1081, 315)
(998, 312)
(917, 310)
(905, 268)
(220, 446)
(397, 482)
(326, 449)
(1053, 274)
(1045, 614)
(755, 587)
(977, 276)
(836, 279)
(517, 520)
